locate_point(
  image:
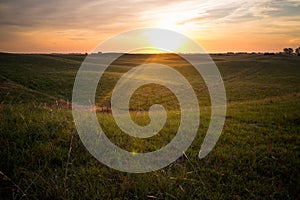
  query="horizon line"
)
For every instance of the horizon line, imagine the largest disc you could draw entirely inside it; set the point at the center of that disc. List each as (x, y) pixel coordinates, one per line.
(133, 53)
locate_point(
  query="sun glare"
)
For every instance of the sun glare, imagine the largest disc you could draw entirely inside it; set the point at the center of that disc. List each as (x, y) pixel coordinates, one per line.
(165, 43)
(174, 21)
(156, 39)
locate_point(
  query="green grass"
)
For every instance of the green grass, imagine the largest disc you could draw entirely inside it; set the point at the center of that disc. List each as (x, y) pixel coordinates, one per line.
(256, 157)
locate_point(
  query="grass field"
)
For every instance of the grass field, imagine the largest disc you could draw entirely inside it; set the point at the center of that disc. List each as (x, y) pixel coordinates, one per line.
(256, 157)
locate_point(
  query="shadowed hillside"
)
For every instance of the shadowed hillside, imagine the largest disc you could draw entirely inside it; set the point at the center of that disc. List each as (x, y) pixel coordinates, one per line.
(257, 155)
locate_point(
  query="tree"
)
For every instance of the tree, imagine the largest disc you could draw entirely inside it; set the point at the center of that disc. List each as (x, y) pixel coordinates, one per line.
(288, 50)
(297, 51)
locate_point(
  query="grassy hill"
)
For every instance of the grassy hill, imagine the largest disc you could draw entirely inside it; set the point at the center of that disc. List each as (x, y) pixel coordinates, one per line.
(256, 157)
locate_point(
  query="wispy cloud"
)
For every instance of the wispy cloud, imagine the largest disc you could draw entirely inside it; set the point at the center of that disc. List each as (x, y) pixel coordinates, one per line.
(23, 21)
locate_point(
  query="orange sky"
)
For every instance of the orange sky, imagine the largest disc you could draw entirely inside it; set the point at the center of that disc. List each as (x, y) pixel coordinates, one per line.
(217, 25)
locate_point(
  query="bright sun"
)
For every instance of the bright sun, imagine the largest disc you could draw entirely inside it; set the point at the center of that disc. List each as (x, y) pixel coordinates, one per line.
(169, 42)
(179, 22)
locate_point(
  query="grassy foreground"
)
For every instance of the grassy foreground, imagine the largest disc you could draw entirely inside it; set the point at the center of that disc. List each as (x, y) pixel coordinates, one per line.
(257, 156)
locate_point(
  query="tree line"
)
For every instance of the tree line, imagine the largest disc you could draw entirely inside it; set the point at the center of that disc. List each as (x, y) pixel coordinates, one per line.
(291, 51)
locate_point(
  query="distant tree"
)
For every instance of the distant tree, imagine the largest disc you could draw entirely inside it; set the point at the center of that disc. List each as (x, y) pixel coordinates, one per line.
(297, 51)
(288, 50)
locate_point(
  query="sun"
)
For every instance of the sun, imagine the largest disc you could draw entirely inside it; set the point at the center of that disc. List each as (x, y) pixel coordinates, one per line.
(179, 22)
(159, 39)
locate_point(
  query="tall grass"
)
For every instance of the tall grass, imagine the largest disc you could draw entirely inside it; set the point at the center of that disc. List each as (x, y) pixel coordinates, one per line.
(256, 157)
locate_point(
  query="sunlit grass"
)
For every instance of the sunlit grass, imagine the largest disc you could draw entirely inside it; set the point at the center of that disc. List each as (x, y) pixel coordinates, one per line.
(257, 155)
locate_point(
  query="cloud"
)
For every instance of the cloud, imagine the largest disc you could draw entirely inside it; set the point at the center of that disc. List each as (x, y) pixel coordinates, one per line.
(70, 14)
(90, 20)
(63, 14)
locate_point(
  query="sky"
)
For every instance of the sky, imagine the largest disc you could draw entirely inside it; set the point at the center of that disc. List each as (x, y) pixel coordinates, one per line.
(66, 26)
